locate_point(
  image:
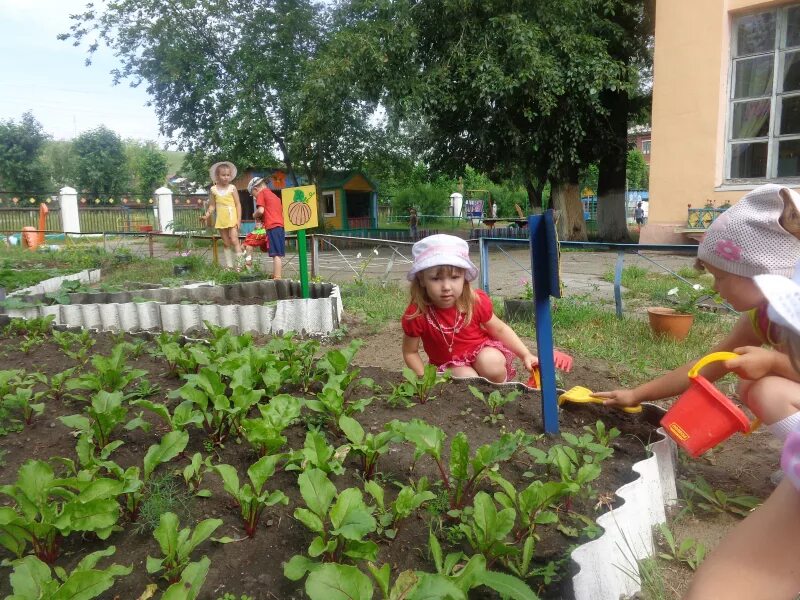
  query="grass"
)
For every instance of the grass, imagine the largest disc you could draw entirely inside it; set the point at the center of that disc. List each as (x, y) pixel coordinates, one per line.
(580, 326)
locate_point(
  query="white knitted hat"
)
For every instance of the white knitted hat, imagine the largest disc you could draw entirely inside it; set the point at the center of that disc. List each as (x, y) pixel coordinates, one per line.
(748, 240)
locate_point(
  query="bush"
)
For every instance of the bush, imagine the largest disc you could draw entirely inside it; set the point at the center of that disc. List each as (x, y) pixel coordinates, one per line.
(427, 198)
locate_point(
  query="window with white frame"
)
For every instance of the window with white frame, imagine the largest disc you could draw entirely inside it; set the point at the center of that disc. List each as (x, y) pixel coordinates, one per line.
(329, 199)
(764, 115)
(645, 146)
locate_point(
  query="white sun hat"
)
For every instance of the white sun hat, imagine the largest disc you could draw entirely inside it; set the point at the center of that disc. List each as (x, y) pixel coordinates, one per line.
(223, 163)
(783, 295)
(442, 249)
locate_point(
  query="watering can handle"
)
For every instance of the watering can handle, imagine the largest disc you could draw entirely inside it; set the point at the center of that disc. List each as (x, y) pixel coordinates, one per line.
(709, 358)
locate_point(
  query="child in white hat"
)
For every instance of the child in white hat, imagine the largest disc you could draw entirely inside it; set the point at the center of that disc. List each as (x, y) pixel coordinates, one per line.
(759, 557)
(224, 201)
(456, 324)
(757, 236)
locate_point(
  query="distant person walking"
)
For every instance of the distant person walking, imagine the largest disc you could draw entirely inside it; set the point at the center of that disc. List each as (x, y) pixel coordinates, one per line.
(638, 214)
(494, 209)
(412, 222)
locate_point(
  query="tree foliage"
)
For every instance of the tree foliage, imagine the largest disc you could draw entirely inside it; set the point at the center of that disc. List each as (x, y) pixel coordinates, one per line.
(637, 171)
(60, 163)
(235, 79)
(21, 144)
(101, 163)
(147, 166)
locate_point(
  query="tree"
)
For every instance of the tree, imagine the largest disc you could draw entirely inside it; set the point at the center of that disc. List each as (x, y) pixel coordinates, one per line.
(147, 166)
(236, 80)
(637, 170)
(21, 167)
(60, 163)
(101, 164)
(511, 88)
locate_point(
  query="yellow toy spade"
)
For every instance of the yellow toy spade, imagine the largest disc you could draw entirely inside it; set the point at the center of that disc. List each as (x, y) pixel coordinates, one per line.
(582, 395)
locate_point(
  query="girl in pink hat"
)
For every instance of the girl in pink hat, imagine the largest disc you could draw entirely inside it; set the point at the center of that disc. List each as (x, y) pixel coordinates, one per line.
(456, 324)
(758, 557)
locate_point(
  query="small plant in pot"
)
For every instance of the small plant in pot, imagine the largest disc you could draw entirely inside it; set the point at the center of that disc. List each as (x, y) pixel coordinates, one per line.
(676, 320)
(521, 306)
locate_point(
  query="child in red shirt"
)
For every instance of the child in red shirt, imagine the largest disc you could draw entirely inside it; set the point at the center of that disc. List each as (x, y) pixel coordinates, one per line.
(456, 325)
(269, 206)
(258, 237)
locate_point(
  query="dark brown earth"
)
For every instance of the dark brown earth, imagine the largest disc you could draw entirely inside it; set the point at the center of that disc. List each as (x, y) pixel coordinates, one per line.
(254, 566)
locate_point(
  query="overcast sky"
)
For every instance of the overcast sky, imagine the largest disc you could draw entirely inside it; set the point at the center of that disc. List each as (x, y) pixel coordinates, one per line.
(47, 76)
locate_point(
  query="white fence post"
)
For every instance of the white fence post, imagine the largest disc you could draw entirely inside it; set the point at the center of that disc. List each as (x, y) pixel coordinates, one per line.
(165, 213)
(70, 221)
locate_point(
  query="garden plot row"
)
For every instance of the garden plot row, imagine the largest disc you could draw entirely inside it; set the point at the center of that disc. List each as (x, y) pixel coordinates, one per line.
(227, 467)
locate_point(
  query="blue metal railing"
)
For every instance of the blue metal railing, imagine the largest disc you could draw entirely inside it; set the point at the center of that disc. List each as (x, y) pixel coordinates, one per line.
(485, 243)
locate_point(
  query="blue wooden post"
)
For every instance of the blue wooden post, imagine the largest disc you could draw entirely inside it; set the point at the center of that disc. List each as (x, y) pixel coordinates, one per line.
(618, 283)
(544, 266)
(483, 248)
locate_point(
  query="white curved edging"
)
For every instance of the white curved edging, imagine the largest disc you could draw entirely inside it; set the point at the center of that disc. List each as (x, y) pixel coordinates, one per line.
(54, 283)
(609, 566)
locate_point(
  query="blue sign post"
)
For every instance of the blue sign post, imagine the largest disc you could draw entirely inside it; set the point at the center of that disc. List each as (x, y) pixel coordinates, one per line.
(544, 266)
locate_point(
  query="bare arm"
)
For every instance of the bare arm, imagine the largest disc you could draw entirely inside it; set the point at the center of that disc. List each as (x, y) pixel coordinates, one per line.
(411, 355)
(677, 381)
(500, 331)
(212, 205)
(238, 207)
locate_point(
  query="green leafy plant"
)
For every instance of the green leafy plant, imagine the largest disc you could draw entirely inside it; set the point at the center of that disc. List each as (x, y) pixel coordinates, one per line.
(32, 579)
(252, 497)
(75, 345)
(191, 581)
(221, 407)
(340, 523)
(111, 373)
(486, 529)
(162, 493)
(409, 499)
(46, 509)
(684, 298)
(495, 401)
(31, 342)
(367, 445)
(178, 544)
(25, 401)
(333, 403)
(700, 493)
(195, 471)
(56, 385)
(266, 433)
(422, 387)
(318, 453)
(689, 551)
(102, 416)
(36, 326)
(68, 286)
(144, 390)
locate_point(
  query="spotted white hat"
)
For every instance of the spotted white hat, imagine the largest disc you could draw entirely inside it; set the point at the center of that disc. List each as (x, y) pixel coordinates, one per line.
(442, 249)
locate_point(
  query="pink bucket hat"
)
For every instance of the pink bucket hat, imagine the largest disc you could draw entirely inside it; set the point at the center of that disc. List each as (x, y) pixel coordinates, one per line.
(748, 240)
(441, 249)
(223, 163)
(783, 295)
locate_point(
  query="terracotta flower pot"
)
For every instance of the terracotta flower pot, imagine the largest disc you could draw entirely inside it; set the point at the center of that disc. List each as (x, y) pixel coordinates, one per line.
(668, 322)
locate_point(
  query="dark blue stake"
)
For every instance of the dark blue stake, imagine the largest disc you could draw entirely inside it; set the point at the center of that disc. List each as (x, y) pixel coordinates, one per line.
(544, 266)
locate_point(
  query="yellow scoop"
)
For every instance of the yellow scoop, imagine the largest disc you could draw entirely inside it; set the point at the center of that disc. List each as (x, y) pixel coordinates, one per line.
(582, 395)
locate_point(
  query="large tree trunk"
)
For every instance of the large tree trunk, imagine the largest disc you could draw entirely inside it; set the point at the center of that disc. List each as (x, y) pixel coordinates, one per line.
(566, 199)
(611, 184)
(535, 191)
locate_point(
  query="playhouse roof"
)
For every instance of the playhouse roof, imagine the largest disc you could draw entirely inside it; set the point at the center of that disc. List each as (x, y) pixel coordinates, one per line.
(339, 179)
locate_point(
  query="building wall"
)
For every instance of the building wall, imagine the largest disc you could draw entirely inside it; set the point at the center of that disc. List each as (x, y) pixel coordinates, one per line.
(690, 95)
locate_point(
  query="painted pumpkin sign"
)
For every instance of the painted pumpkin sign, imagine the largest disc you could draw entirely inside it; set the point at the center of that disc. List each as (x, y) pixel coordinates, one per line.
(299, 207)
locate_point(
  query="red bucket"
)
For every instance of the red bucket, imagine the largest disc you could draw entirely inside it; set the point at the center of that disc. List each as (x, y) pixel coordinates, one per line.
(703, 416)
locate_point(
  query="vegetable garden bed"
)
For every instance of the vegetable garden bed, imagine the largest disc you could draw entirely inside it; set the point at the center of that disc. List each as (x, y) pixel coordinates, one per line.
(448, 470)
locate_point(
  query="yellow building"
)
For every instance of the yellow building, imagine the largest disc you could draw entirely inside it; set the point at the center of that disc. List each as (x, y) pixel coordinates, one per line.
(726, 107)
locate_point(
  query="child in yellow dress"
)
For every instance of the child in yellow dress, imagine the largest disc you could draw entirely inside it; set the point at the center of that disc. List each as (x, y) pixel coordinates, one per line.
(224, 201)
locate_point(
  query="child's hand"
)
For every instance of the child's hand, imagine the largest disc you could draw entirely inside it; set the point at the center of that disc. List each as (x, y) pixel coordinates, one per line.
(204, 219)
(530, 361)
(619, 398)
(754, 363)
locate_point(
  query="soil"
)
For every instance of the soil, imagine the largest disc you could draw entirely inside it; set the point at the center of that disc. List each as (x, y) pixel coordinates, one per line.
(254, 566)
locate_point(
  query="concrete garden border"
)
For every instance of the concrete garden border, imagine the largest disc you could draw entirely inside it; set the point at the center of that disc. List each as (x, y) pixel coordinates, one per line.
(184, 309)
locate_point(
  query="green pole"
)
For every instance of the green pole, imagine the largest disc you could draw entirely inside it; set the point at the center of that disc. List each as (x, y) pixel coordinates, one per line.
(303, 255)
